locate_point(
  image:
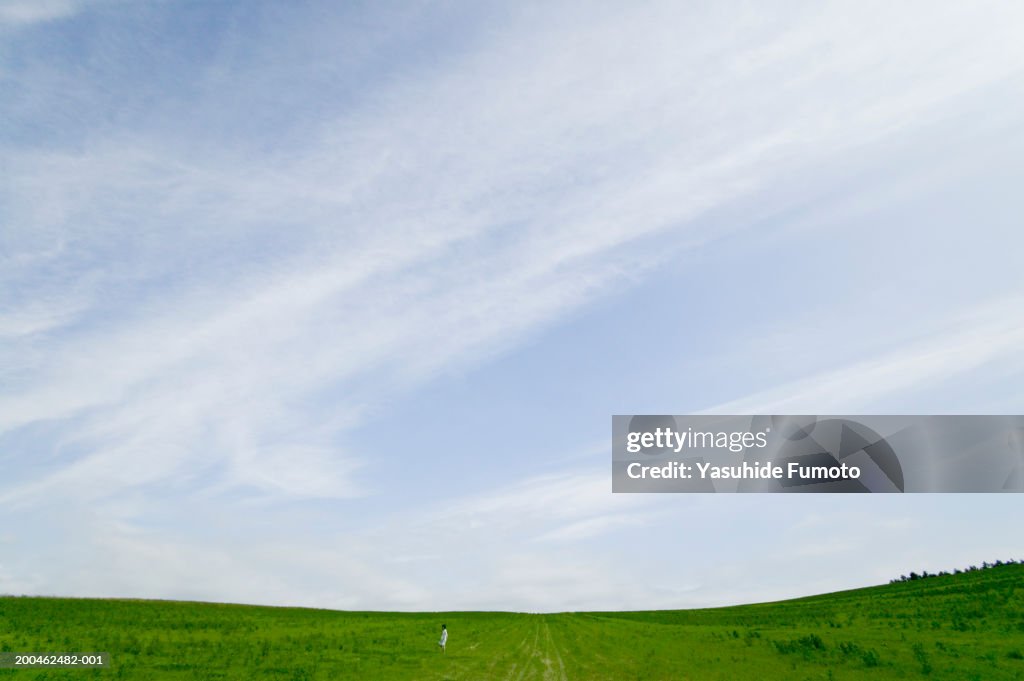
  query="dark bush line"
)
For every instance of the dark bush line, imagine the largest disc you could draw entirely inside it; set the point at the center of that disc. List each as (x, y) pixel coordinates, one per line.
(913, 576)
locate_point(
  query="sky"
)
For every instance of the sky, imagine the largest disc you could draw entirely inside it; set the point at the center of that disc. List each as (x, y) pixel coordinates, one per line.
(330, 304)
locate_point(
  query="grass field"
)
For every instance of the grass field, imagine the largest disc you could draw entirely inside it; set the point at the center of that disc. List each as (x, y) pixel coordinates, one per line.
(958, 627)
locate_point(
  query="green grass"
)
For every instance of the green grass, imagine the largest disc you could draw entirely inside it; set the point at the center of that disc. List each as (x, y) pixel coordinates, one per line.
(957, 627)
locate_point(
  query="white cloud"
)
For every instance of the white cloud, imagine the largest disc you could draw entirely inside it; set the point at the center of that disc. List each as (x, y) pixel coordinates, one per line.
(592, 527)
(970, 340)
(20, 13)
(36, 318)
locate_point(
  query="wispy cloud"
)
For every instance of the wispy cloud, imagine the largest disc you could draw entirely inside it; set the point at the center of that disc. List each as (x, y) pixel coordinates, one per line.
(37, 317)
(992, 333)
(20, 13)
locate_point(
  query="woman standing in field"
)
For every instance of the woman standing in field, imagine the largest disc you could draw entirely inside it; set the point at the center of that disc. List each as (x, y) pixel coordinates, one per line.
(444, 638)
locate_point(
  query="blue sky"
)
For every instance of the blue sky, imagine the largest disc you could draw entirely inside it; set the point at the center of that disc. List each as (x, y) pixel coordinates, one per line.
(330, 304)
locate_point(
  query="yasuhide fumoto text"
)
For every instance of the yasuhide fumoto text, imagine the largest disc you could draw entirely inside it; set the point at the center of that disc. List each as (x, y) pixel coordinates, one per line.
(756, 471)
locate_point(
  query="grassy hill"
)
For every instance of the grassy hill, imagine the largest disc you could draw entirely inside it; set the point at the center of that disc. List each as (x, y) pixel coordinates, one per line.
(959, 627)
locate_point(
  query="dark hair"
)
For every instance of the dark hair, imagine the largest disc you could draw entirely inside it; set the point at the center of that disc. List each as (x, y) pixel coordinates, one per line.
(442, 626)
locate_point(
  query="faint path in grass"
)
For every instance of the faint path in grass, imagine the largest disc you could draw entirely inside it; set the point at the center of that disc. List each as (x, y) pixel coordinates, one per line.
(551, 673)
(527, 652)
(537, 656)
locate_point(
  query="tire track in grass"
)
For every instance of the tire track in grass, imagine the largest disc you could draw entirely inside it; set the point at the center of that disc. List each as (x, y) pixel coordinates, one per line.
(534, 654)
(512, 669)
(540, 660)
(529, 654)
(550, 672)
(491, 655)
